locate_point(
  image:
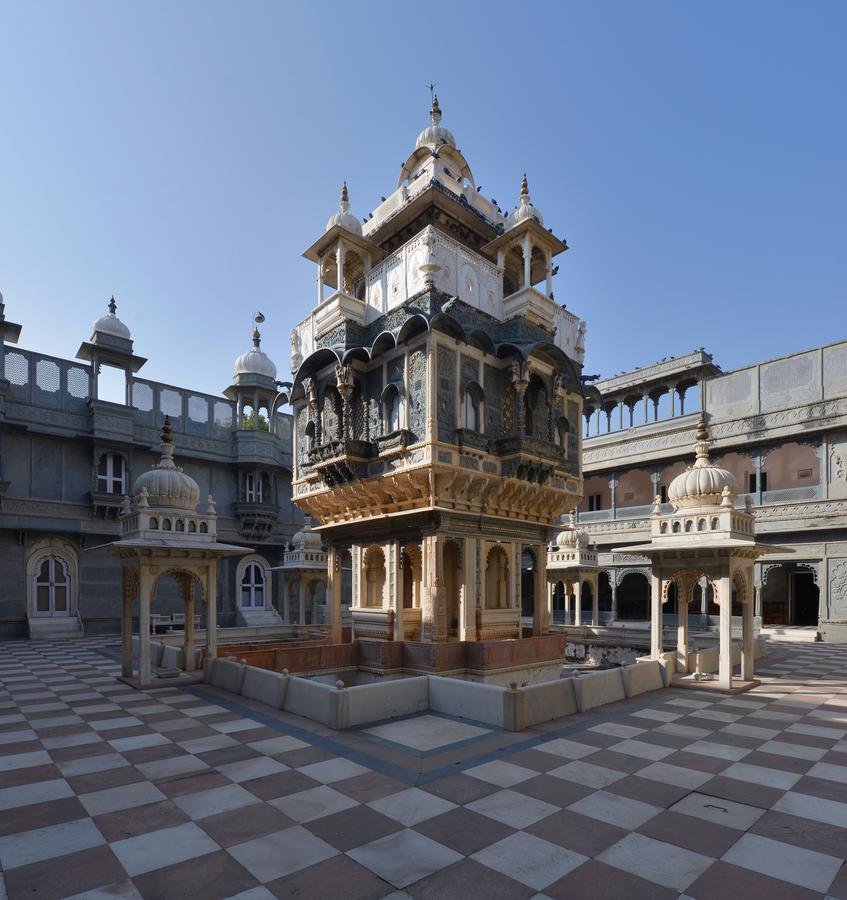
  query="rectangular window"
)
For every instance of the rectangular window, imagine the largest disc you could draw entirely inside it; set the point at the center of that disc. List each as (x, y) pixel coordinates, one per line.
(663, 494)
(763, 480)
(595, 502)
(110, 474)
(250, 488)
(751, 487)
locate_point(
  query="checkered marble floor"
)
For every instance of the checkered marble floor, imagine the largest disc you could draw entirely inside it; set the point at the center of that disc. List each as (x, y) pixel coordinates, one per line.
(110, 792)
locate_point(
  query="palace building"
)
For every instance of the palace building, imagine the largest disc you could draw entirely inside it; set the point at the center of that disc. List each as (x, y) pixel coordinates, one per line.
(68, 457)
(437, 399)
(780, 428)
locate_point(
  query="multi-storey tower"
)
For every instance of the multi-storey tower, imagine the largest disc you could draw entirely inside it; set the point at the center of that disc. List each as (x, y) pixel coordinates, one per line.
(437, 401)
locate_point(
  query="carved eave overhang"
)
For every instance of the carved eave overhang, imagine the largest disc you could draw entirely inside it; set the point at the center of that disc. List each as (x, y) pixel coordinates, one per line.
(519, 495)
(390, 234)
(672, 550)
(538, 233)
(329, 240)
(91, 352)
(433, 310)
(10, 332)
(164, 549)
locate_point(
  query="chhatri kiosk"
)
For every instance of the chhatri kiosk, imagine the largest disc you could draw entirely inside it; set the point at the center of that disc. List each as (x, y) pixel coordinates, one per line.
(704, 535)
(162, 534)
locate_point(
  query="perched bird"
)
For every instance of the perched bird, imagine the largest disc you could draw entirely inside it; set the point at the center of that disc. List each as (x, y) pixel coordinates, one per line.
(555, 270)
(479, 187)
(383, 199)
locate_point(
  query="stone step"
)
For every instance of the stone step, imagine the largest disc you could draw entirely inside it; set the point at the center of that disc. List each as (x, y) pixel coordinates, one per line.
(52, 628)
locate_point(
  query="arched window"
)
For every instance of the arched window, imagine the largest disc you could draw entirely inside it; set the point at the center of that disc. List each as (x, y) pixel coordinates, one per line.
(166, 524)
(253, 587)
(472, 407)
(701, 524)
(111, 474)
(180, 525)
(51, 588)
(192, 526)
(560, 432)
(204, 528)
(374, 577)
(676, 528)
(154, 523)
(497, 580)
(391, 409)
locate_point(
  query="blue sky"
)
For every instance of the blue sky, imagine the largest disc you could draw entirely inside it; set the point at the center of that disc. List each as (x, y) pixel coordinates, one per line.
(183, 155)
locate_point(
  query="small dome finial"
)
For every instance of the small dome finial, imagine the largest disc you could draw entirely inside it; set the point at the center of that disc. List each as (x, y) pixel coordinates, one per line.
(345, 196)
(435, 112)
(524, 187)
(167, 431)
(112, 306)
(701, 445)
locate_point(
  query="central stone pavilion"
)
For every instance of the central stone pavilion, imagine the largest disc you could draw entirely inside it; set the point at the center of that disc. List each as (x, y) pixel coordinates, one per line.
(437, 403)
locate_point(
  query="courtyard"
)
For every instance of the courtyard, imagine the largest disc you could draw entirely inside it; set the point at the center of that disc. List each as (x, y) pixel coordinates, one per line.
(110, 792)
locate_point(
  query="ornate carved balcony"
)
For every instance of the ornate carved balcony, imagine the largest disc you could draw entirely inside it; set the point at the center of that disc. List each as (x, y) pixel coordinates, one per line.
(104, 505)
(338, 462)
(255, 519)
(473, 440)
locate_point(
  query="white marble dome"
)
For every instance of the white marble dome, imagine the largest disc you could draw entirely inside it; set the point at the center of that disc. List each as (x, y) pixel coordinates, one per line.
(525, 210)
(306, 538)
(572, 538)
(166, 485)
(255, 361)
(111, 325)
(702, 484)
(344, 217)
(435, 135)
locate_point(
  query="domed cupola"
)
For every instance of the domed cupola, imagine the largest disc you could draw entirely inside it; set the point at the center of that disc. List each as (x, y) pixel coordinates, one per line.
(435, 135)
(111, 326)
(524, 210)
(165, 485)
(344, 218)
(704, 483)
(307, 538)
(572, 538)
(255, 361)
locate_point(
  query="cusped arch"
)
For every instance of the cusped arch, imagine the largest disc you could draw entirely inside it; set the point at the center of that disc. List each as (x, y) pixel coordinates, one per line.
(413, 326)
(178, 573)
(385, 342)
(313, 363)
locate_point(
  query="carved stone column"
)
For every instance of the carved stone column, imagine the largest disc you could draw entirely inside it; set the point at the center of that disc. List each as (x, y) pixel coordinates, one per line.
(344, 382)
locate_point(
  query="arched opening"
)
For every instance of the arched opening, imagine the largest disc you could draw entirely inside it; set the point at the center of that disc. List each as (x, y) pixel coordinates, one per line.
(252, 595)
(561, 431)
(497, 579)
(452, 580)
(391, 409)
(374, 577)
(51, 589)
(586, 601)
(527, 583)
(411, 576)
(634, 597)
(537, 410)
(472, 407)
(790, 596)
(604, 597)
(671, 606)
(559, 617)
